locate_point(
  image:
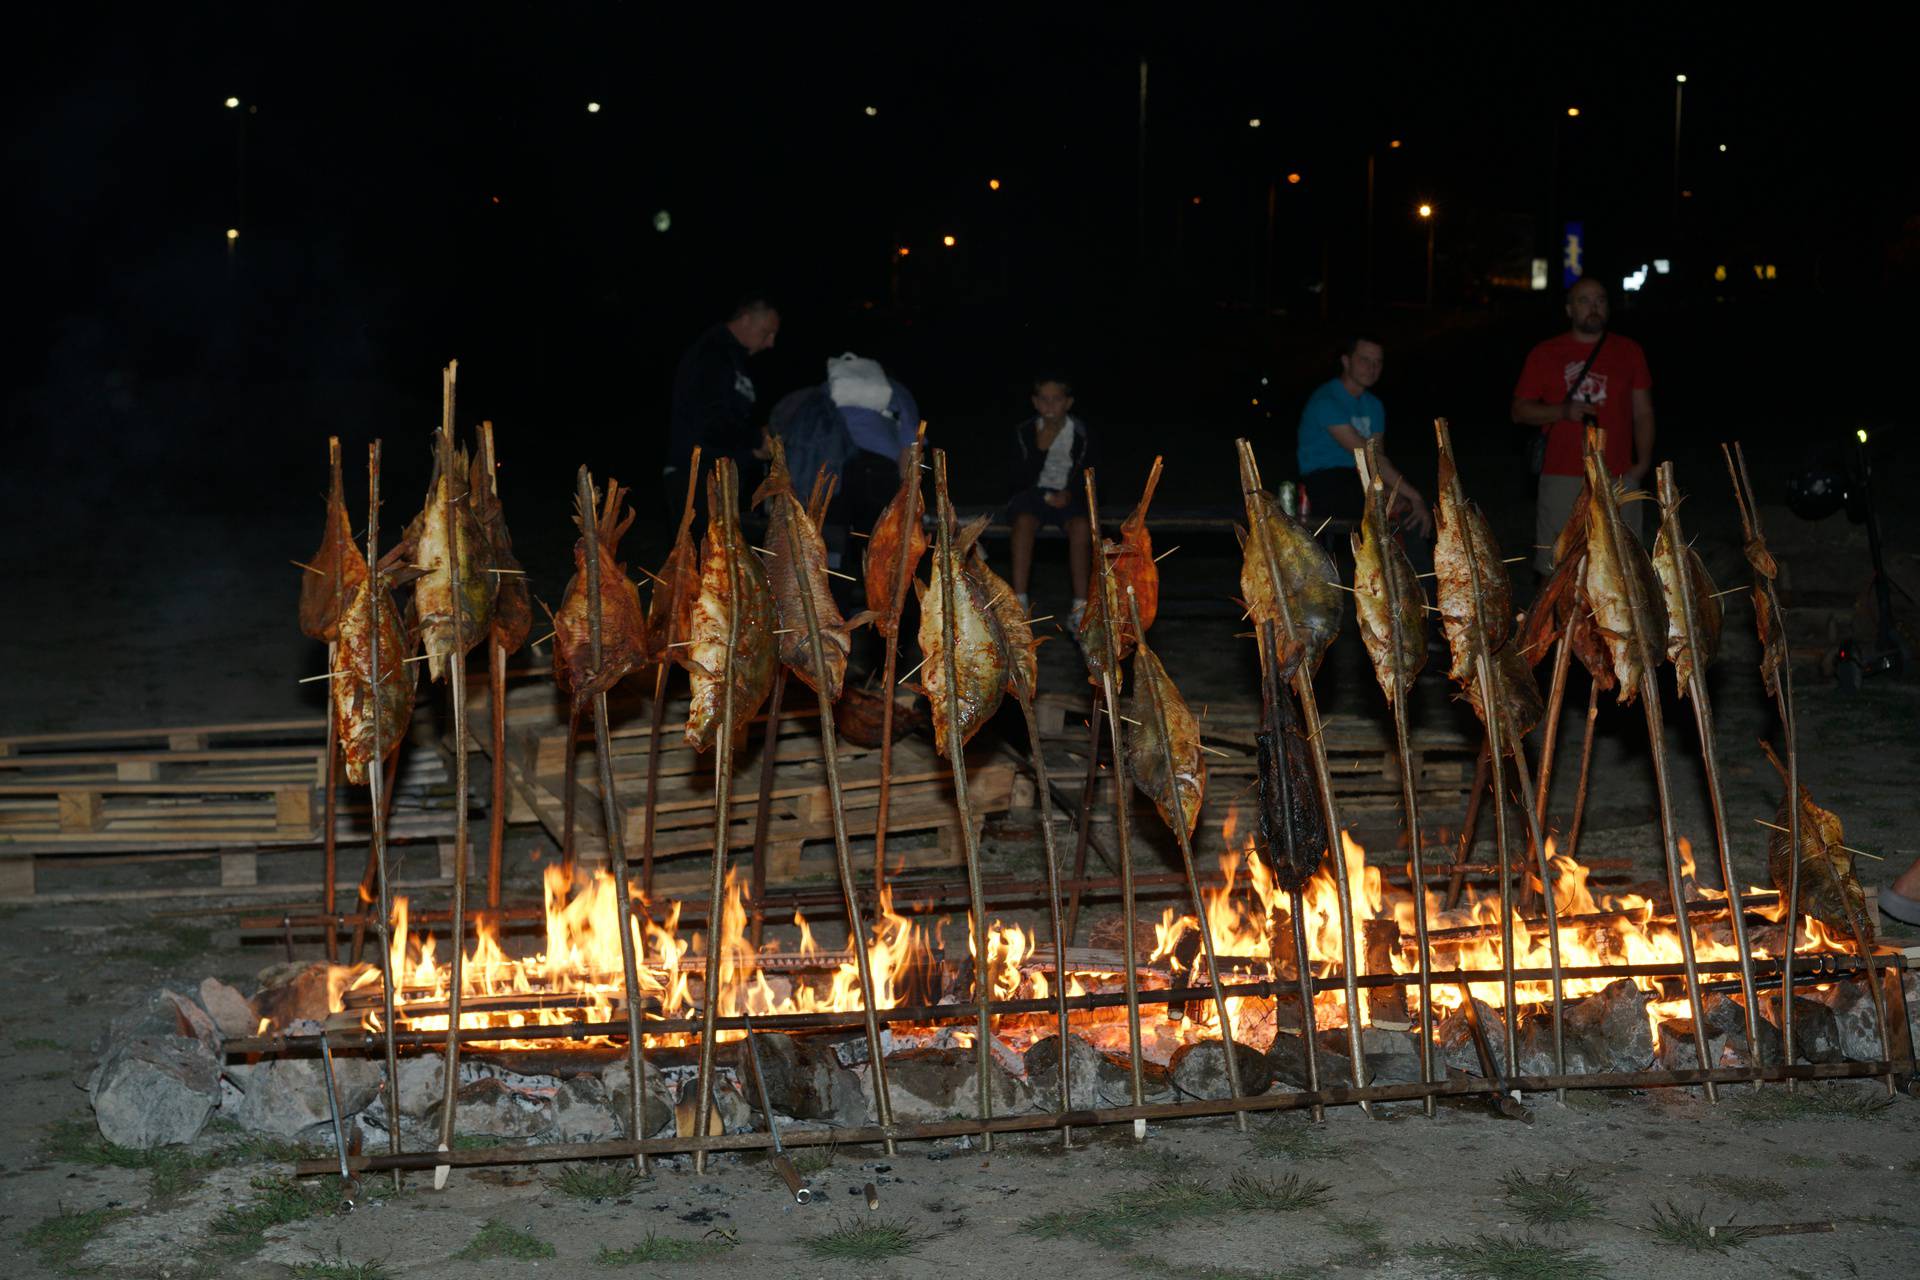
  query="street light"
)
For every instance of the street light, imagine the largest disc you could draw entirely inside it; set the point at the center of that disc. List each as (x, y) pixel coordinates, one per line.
(232, 103)
(947, 241)
(993, 184)
(873, 111)
(233, 233)
(593, 108)
(1293, 179)
(1426, 215)
(1572, 111)
(1254, 123)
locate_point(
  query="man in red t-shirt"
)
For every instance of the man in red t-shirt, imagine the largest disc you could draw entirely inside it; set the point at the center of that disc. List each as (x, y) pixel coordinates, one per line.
(1617, 393)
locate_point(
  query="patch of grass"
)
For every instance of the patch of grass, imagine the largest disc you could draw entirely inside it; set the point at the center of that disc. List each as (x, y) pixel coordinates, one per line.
(816, 1159)
(658, 1248)
(1171, 1270)
(1743, 1188)
(27, 1043)
(1155, 1160)
(1553, 1200)
(1912, 1166)
(1294, 1140)
(498, 1240)
(166, 946)
(596, 1182)
(1799, 1161)
(1818, 1102)
(866, 1240)
(242, 1228)
(1491, 1256)
(338, 1268)
(77, 1140)
(1692, 1232)
(61, 1239)
(1368, 1237)
(1284, 1194)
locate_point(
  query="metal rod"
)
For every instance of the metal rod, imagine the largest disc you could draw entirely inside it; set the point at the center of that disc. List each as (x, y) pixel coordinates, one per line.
(843, 857)
(457, 688)
(1178, 821)
(333, 1110)
(1469, 827)
(782, 1165)
(890, 632)
(1139, 1114)
(1043, 786)
(1703, 726)
(377, 851)
(949, 566)
(1641, 647)
(1083, 828)
(1122, 804)
(610, 815)
(1310, 716)
(763, 812)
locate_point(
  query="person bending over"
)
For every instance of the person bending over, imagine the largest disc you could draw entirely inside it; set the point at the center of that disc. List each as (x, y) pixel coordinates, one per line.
(1050, 452)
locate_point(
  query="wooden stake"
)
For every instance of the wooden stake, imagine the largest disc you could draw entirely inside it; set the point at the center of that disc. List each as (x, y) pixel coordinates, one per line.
(497, 706)
(329, 801)
(616, 839)
(896, 604)
(1122, 807)
(1310, 714)
(457, 687)
(763, 812)
(378, 850)
(1083, 826)
(676, 597)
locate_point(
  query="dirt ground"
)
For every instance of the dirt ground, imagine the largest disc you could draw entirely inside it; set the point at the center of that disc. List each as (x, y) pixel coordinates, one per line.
(1606, 1184)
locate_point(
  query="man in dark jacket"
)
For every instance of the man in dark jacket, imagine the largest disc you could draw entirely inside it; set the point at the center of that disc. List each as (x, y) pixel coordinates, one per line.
(1050, 453)
(714, 397)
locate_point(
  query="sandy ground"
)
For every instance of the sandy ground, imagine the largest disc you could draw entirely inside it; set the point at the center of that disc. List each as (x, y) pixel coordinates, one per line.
(1394, 1196)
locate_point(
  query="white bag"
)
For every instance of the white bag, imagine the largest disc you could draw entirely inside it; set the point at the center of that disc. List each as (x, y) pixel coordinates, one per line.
(856, 382)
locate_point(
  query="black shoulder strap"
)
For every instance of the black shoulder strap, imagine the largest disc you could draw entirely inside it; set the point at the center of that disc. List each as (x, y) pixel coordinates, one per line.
(1586, 368)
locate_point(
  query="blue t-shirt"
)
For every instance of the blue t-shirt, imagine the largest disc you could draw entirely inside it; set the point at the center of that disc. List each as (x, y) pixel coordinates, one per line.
(1328, 407)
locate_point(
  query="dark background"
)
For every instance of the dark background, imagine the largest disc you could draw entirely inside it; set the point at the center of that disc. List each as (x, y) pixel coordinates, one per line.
(413, 183)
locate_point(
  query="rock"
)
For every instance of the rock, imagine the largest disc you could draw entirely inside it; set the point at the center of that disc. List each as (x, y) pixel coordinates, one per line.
(933, 1084)
(1727, 1046)
(656, 1106)
(1457, 1047)
(583, 1111)
(1393, 1057)
(1610, 1029)
(1816, 1034)
(1199, 1070)
(1287, 1060)
(496, 1109)
(1095, 1078)
(229, 1009)
(309, 991)
(159, 1013)
(805, 1079)
(729, 1113)
(155, 1091)
(195, 1021)
(1855, 1019)
(284, 1096)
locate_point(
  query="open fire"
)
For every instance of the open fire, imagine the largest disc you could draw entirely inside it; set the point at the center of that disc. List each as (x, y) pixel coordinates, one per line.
(577, 976)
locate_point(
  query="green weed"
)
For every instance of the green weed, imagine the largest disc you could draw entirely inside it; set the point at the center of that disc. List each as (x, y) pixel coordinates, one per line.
(596, 1182)
(1551, 1201)
(1691, 1231)
(61, 1239)
(1744, 1188)
(498, 1240)
(866, 1240)
(815, 1159)
(1294, 1140)
(242, 1228)
(1166, 1202)
(338, 1268)
(166, 946)
(28, 1043)
(1491, 1256)
(1815, 1102)
(1276, 1195)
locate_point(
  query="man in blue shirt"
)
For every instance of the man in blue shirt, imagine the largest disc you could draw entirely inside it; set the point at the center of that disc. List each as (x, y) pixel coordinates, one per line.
(1340, 417)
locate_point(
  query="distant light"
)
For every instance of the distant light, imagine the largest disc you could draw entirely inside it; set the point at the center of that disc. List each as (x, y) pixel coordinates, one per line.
(993, 184)
(1632, 283)
(593, 108)
(1539, 279)
(873, 111)
(1573, 111)
(1687, 194)
(904, 251)
(1293, 179)
(1861, 435)
(1661, 266)
(1720, 272)
(947, 241)
(1263, 380)
(1394, 145)
(662, 220)
(1254, 123)
(233, 233)
(1196, 199)
(1723, 146)
(232, 103)
(1256, 402)
(1770, 271)
(496, 199)
(1425, 211)
(1680, 79)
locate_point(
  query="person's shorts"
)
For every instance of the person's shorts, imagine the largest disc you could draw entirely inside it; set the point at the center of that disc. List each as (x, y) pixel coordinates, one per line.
(1033, 502)
(1555, 504)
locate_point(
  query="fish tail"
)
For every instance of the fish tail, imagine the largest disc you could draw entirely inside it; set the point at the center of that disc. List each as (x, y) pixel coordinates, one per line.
(778, 481)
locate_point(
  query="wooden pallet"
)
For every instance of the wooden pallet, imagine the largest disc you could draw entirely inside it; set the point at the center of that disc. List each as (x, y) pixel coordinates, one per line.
(800, 820)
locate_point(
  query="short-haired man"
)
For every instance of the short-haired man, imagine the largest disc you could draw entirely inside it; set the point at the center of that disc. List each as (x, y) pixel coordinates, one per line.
(1341, 415)
(714, 397)
(1586, 372)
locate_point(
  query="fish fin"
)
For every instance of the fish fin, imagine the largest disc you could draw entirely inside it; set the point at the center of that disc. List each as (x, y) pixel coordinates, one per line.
(863, 618)
(1240, 534)
(778, 481)
(969, 534)
(919, 591)
(695, 665)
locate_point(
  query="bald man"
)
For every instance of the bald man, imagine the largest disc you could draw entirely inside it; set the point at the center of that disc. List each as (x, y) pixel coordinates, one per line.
(1585, 373)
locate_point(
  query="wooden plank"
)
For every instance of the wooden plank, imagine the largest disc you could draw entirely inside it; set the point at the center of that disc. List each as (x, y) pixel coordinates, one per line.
(144, 788)
(16, 743)
(293, 812)
(82, 811)
(214, 755)
(239, 867)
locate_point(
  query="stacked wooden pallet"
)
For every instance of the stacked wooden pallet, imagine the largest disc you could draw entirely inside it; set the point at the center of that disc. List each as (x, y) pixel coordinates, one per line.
(799, 816)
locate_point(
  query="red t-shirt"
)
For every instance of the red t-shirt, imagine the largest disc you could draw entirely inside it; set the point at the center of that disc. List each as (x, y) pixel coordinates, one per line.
(1620, 371)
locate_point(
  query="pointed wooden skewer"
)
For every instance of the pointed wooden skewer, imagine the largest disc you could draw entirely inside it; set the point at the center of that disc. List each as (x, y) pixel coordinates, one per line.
(843, 858)
(1310, 715)
(616, 837)
(497, 714)
(329, 800)
(377, 851)
(1229, 1048)
(890, 633)
(1696, 691)
(1376, 497)
(675, 598)
(1122, 805)
(1083, 827)
(457, 688)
